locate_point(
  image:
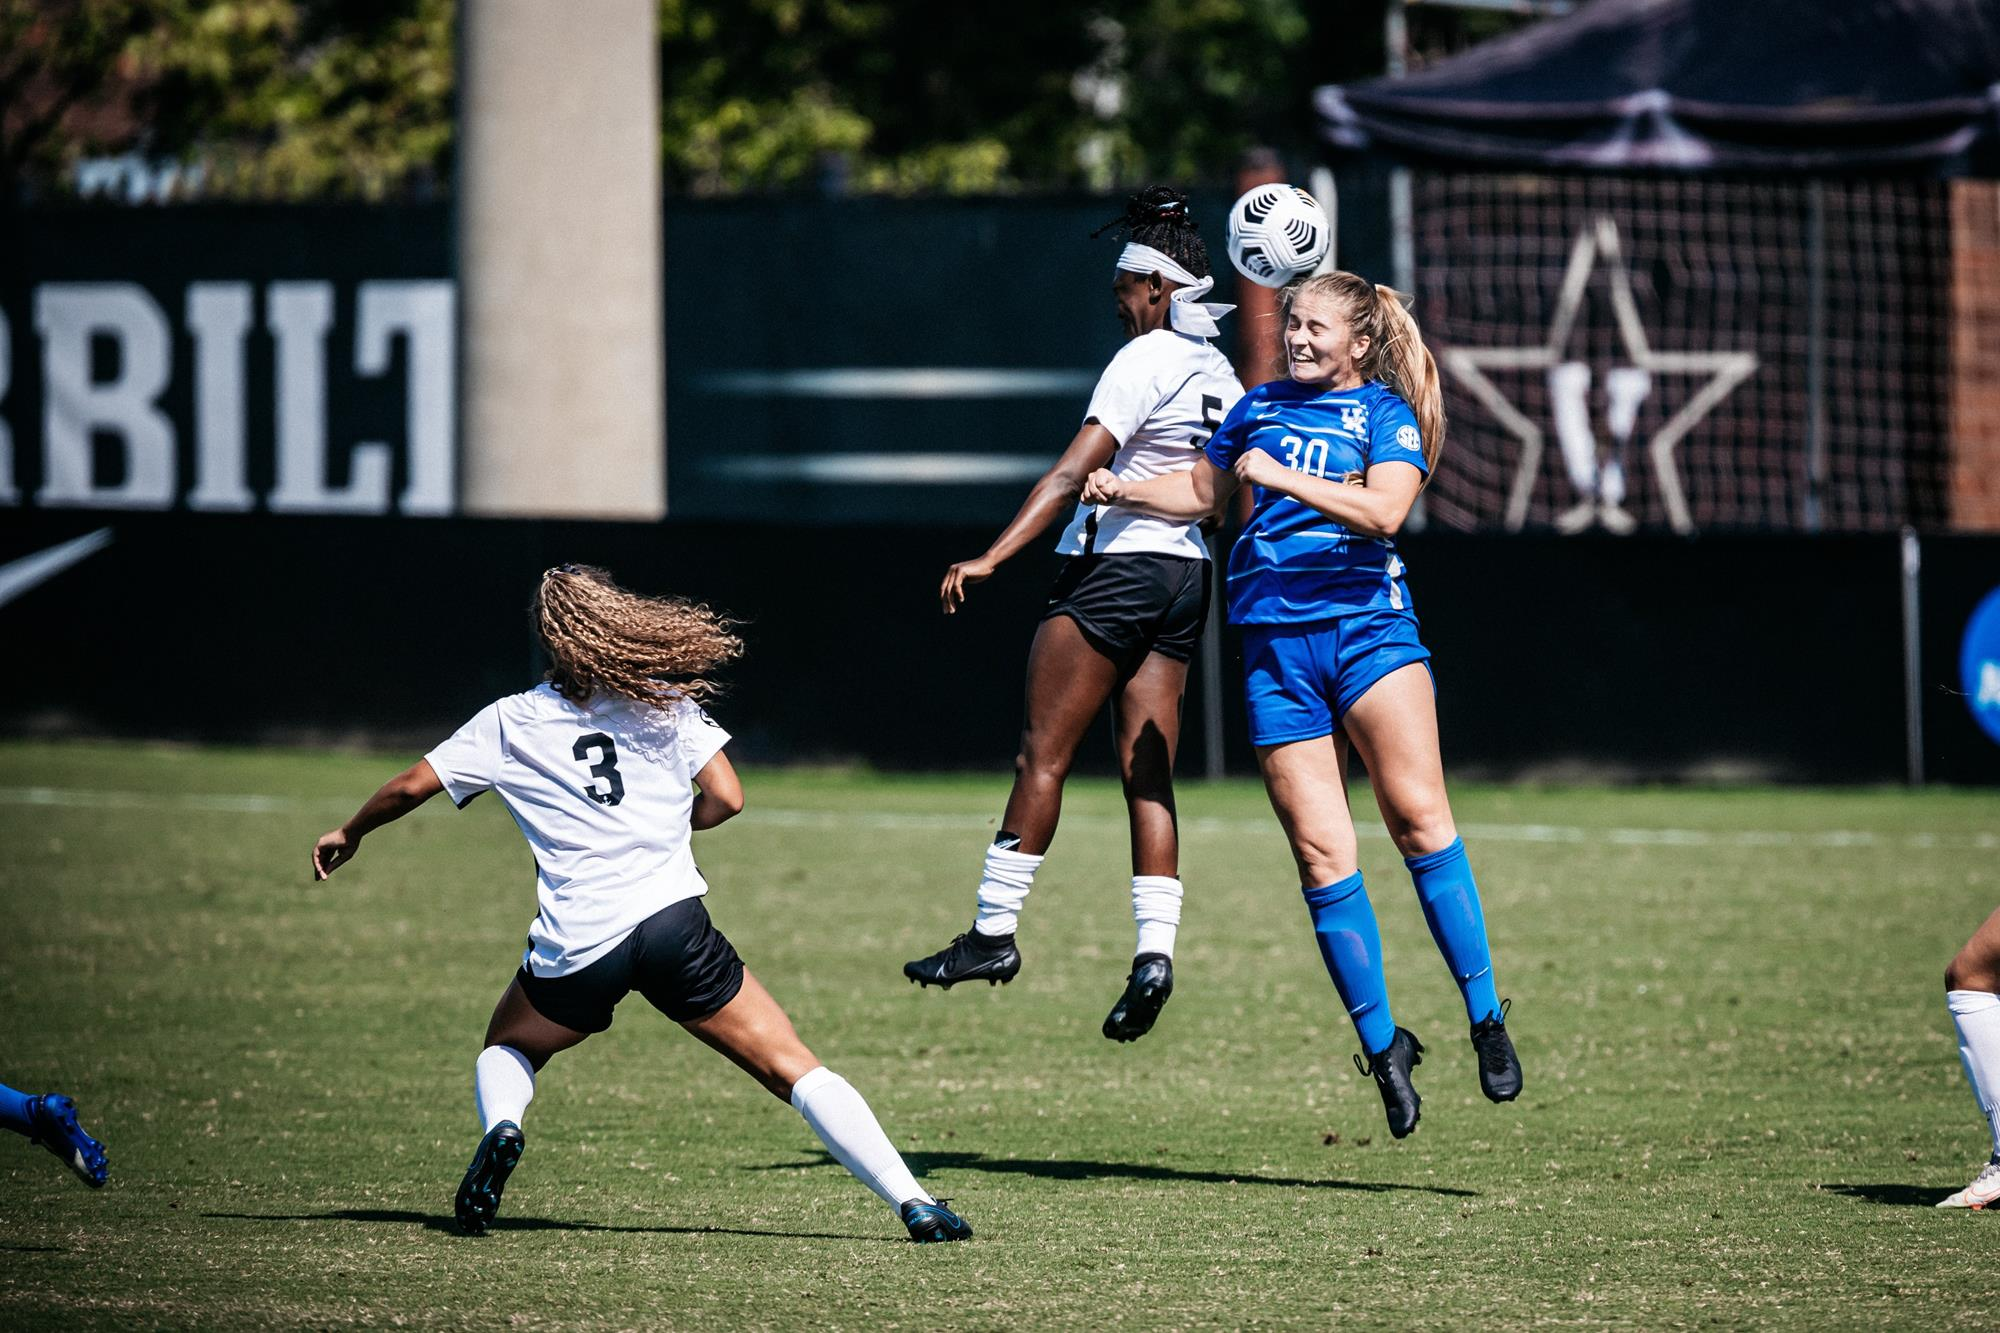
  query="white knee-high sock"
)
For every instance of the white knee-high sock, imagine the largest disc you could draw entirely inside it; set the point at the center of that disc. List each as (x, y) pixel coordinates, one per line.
(1977, 1015)
(1156, 907)
(1003, 889)
(847, 1127)
(503, 1083)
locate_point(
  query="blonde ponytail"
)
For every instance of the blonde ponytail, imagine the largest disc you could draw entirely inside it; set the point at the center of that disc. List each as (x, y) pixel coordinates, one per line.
(1402, 362)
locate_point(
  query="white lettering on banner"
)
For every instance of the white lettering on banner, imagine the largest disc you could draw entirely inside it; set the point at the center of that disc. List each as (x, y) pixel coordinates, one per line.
(83, 417)
(74, 406)
(8, 495)
(300, 313)
(218, 314)
(423, 312)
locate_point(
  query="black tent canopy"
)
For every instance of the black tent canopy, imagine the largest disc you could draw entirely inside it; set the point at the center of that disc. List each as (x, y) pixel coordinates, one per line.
(1704, 85)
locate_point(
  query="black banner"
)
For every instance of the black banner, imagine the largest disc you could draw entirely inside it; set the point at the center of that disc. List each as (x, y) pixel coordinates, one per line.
(1648, 658)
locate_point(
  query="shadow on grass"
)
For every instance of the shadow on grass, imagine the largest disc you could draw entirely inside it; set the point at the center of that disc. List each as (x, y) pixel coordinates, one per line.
(32, 1249)
(923, 1163)
(434, 1222)
(1899, 1196)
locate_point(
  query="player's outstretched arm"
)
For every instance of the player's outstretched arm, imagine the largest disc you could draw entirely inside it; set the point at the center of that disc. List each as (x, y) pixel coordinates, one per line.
(1051, 498)
(1182, 497)
(1373, 506)
(394, 799)
(720, 796)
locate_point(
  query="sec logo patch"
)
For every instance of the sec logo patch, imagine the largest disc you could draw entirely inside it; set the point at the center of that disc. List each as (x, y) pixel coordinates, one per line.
(1407, 437)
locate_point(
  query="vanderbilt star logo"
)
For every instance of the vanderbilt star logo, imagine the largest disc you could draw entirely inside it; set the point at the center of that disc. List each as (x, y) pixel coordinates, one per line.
(1596, 469)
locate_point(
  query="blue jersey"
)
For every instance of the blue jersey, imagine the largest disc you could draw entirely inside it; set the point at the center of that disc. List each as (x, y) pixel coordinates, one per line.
(1292, 562)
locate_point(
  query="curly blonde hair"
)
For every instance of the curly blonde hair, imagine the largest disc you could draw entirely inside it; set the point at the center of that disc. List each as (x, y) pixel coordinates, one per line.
(1396, 353)
(603, 639)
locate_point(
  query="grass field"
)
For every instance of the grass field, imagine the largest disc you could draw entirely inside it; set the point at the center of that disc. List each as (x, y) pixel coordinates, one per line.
(1742, 1091)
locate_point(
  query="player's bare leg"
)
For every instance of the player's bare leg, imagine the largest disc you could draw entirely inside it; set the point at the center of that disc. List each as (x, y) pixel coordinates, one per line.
(1307, 782)
(1147, 710)
(1972, 992)
(1069, 680)
(758, 1037)
(1394, 728)
(519, 1041)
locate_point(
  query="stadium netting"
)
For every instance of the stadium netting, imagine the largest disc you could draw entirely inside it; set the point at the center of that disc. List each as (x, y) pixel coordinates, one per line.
(1687, 354)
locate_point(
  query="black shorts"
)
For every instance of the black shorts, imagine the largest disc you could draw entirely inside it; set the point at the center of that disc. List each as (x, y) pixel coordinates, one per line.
(677, 959)
(1130, 604)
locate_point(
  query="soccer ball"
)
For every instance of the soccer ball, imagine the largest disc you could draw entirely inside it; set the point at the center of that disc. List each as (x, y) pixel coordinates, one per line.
(1277, 233)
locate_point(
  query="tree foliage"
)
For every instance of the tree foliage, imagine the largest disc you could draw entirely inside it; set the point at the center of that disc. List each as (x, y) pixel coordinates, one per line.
(276, 99)
(288, 99)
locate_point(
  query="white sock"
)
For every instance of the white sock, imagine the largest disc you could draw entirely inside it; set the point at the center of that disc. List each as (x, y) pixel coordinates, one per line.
(1977, 1014)
(503, 1083)
(1156, 906)
(847, 1127)
(1003, 888)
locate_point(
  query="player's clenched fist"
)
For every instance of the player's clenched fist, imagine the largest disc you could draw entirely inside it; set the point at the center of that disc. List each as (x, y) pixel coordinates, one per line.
(1103, 487)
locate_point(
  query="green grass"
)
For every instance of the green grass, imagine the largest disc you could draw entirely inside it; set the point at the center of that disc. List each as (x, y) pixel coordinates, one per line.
(1742, 1091)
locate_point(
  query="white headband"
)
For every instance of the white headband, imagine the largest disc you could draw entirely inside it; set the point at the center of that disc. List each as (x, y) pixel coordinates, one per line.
(1189, 315)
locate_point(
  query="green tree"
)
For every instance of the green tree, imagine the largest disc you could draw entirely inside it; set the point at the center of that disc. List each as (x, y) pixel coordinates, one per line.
(274, 99)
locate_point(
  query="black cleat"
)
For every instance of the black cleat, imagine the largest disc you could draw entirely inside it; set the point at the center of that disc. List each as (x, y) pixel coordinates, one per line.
(972, 956)
(1146, 991)
(479, 1195)
(1391, 1068)
(1499, 1067)
(931, 1223)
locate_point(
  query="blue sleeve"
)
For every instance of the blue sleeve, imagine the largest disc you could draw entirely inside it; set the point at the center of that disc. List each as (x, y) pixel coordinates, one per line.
(1226, 445)
(1393, 436)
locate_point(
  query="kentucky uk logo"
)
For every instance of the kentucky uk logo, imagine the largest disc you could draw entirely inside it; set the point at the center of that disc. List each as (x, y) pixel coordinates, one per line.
(1596, 462)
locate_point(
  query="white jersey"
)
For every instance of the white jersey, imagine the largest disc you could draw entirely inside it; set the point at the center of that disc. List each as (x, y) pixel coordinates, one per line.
(1161, 398)
(604, 793)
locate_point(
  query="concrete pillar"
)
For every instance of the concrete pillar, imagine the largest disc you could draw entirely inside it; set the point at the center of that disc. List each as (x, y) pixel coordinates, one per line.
(559, 260)
(1975, 356)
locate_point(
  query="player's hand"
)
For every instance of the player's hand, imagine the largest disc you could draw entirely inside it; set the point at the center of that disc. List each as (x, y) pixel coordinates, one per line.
(951, 595)
(1103, 487)
(332, 851)
(1254, 467)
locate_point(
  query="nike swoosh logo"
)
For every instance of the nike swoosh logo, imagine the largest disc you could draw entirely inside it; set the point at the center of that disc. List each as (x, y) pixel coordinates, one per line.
(31, 571)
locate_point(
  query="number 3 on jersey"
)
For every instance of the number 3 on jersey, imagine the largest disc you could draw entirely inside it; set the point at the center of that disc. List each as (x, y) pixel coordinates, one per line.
(604, 770)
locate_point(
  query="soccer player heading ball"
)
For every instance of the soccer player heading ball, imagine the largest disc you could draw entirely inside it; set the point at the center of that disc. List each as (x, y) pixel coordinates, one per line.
(1124, 616)
(1337, 453)
(609, 766)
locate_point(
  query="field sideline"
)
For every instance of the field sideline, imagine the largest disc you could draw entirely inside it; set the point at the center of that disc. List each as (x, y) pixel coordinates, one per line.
(1742, 1091)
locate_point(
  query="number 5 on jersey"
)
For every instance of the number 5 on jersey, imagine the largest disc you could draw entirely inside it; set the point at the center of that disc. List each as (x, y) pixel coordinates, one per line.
(604, 770)
(1211, 417)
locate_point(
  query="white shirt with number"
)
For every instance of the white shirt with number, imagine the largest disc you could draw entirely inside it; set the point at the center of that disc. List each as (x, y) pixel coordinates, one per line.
(604, 793)
(1161, 398)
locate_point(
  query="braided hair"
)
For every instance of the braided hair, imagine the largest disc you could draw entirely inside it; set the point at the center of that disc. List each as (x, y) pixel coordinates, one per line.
(603, 639)
(1158, 216)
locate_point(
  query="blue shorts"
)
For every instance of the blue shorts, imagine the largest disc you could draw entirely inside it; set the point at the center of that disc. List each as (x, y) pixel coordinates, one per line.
(1300, 680)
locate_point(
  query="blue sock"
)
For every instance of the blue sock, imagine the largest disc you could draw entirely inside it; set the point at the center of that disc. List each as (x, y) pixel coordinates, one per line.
(1451, 906)
(1351, 945)
(14, 1110)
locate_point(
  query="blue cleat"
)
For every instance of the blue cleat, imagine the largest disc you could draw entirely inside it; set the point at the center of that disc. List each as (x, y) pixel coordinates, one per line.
(479, 1194)
(933, 1223)
(54, 1119)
